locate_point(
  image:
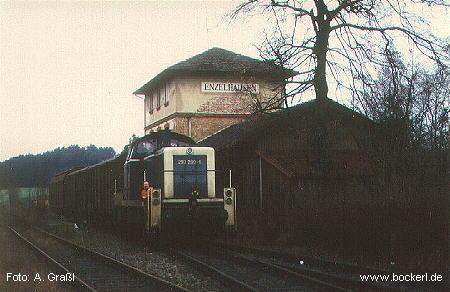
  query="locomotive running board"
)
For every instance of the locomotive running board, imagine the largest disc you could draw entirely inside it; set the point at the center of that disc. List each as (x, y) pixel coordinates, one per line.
(118, 201)
(205, 200)
(128, 203)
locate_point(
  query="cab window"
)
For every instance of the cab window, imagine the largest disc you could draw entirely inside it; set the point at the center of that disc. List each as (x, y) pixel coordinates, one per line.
(144, 148)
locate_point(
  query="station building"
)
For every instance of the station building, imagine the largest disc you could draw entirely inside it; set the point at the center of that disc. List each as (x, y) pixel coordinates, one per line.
(208, 92)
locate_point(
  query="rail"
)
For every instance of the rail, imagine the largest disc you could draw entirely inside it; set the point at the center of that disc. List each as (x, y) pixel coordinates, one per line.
(95, 271)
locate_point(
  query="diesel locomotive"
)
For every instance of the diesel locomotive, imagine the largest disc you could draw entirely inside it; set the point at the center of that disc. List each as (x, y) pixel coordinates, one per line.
(182, 193)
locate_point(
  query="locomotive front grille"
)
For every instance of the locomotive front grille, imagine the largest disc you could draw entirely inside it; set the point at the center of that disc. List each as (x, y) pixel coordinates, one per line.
(190, 176)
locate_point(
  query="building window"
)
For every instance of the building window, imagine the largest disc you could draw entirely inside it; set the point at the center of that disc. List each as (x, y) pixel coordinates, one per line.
(166, 97)
(150, 103)
(160, 95)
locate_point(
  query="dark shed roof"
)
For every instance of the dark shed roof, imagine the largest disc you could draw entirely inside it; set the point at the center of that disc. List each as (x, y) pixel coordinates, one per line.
(307, 112)
(217, 60)
(164, 135)
(61, 175)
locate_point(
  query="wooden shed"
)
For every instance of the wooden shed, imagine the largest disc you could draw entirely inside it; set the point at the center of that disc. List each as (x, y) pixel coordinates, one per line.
(308, 170)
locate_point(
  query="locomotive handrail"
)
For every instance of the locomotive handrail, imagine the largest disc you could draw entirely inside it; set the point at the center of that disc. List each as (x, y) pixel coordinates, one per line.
(199, 171)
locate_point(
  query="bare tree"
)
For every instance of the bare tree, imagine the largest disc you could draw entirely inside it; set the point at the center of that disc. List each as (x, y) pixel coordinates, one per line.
(342, 37)
(414, 98)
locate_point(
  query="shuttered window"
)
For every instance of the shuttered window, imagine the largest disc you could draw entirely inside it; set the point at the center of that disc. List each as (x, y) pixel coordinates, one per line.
(159, 97)
(150, 102)
(166, 97)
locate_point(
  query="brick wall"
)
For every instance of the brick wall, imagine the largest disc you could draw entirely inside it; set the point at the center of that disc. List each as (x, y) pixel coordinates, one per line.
(237, 103)
(203, 126)
(210, 117)
(206, 126)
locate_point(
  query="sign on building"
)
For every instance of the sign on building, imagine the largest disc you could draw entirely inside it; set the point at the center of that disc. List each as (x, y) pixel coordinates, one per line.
(230, 87)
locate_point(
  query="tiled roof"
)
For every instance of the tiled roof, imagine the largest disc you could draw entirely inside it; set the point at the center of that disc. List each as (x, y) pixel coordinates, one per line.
(217, 60)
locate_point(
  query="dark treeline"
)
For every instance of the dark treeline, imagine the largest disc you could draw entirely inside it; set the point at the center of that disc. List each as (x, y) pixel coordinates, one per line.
(36, 170)
(410, 104)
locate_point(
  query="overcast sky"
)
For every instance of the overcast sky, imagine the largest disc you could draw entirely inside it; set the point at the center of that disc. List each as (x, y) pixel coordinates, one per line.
(68, 70)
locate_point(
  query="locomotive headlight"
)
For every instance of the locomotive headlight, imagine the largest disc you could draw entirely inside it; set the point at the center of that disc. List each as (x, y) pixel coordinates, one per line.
(229, 193)
(155, 194)
(228, 201)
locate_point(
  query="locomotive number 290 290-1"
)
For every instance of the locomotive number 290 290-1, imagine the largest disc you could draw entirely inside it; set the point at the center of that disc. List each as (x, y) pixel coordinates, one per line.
(190, 161)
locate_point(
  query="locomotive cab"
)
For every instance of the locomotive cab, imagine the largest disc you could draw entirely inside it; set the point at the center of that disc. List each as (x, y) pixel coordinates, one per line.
(187, 183)
(134, 168)
(183, 180)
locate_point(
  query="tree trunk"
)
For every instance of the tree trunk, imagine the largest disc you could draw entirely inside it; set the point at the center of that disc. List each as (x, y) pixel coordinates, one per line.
(320, 73)
(321, 49)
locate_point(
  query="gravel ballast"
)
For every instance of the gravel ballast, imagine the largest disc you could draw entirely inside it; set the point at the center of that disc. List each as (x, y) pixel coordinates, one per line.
(142, 257)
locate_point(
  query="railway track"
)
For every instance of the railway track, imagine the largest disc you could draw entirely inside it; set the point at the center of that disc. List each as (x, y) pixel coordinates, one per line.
(246, 274)
(345, 276)
(93, 271)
